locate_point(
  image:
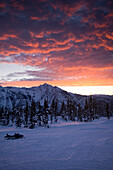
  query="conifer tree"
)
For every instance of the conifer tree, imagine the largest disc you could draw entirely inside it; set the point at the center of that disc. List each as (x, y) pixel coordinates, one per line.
(91, 107)
(94, 109)
(56, 109)
(74, 111)
(69, 109)
(107, 111)
(45, 118)
(1, 113)
(13, 113)
(7, 117)
(86, 110)
(26, 111)
(33, 112)
(80, 113)
(18, 119)
(39, 113)
(63, 110)
(52, 110)
(51, 116)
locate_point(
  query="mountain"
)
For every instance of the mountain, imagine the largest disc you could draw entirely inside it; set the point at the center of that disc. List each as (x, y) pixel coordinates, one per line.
(14, 96)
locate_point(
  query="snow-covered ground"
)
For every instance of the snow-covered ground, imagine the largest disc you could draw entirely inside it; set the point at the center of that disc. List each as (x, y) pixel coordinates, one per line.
(63, 146)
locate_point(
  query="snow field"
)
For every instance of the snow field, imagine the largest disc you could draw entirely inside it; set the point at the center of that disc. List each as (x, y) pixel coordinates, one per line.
(63, 146)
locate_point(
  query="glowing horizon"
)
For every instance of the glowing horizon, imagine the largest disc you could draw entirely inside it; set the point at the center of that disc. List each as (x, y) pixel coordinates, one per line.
(82, 90)
(89, 90)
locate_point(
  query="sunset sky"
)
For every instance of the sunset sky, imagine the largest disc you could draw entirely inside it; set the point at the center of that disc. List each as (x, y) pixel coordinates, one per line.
(66, 43)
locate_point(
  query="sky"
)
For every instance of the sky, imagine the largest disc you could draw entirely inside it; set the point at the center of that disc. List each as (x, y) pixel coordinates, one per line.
(66, 43)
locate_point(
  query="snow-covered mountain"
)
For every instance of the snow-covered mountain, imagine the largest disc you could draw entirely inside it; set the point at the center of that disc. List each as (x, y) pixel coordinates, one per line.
(13, 96)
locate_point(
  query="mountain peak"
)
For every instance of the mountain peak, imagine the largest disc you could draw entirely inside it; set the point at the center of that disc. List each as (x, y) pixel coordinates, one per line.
(18, 96)
(47, 85)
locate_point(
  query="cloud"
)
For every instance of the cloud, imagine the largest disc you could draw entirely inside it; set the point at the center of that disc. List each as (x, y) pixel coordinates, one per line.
(18, 6)
(2, 5)
(70, 39)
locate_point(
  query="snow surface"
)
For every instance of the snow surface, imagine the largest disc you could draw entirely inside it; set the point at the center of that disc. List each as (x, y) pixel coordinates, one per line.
(63, 146)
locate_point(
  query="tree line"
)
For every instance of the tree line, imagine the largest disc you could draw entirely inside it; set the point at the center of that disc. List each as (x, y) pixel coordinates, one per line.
(33, 114)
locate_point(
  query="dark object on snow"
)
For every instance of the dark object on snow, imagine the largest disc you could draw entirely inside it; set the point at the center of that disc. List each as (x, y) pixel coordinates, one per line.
(25, 126)
(31, 126)
(15, 136)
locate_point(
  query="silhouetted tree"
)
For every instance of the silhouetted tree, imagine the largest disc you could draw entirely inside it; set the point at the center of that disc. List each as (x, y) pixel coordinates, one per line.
(80, 113)
(26, 111)
(1, 113)
(56, 110)
(18, 119)
(7, 117)
(33, 112)
(52, 110)
(86, 110)
(63, 110)
(107, 111)
(39, 113)
(91, 107)
(45, 117)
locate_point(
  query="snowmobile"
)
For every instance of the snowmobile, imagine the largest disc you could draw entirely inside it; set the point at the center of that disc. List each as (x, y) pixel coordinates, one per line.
(15, 136)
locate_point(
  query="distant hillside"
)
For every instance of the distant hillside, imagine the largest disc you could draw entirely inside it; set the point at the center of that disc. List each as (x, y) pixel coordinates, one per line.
(14, 96)
(43, 104)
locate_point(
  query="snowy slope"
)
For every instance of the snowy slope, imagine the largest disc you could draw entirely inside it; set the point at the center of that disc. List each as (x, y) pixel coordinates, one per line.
(73, 146)
(13, 96)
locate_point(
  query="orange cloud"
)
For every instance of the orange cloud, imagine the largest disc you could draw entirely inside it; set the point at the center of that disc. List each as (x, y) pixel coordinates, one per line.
(6, 36)
(18, 6)
(109, 35)
(2, 5)
(69, 10)
(110, 15)
(39, 18)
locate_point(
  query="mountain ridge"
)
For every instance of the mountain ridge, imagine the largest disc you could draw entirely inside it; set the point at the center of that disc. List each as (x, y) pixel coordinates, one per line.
(10, 96)
(17, 96)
